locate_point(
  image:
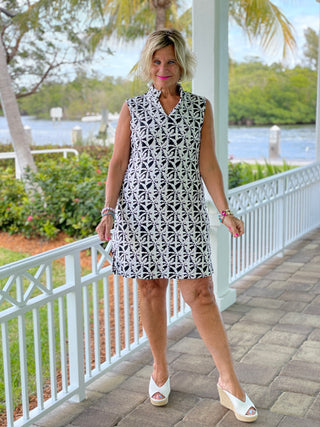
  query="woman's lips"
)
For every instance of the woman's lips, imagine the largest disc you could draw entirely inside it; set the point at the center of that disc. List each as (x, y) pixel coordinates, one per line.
(163, 77)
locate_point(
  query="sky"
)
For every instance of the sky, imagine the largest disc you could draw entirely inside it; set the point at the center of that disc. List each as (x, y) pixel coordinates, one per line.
(301, 13)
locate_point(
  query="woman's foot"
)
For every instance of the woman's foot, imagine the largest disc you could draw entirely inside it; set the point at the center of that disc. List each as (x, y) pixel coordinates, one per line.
(160, 376)
(159, 395)
(236, 391)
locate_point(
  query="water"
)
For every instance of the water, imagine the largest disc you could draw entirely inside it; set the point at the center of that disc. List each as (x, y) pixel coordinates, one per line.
(48, 132)
(297, 142)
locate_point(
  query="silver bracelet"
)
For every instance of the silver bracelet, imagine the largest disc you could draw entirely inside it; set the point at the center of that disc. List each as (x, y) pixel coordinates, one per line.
(107, 208)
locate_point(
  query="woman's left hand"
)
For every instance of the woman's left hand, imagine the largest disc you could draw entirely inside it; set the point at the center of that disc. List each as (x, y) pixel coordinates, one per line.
(234, 224)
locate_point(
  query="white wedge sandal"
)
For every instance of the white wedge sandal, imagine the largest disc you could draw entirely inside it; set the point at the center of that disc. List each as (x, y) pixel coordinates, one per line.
(236, 405)
(164, 390)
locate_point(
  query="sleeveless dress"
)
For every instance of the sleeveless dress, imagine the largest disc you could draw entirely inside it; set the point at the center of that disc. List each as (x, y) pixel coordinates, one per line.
(161, 227)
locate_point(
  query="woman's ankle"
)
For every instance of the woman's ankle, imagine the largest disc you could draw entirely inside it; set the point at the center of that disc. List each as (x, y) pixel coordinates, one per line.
(160, 374)
(232, 385)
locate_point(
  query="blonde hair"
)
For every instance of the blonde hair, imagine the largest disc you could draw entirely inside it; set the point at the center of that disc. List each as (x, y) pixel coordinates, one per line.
(160, 39)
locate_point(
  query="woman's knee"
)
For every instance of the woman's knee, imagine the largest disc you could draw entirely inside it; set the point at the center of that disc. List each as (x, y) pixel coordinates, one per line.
(198, 291)
(153, 288)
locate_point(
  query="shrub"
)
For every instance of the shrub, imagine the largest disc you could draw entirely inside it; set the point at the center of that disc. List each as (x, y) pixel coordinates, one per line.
(244, 173)
(70, 200)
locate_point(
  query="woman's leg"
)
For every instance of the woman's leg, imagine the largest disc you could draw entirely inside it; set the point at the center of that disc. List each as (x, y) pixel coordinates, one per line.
(154, 320)
(198, 294)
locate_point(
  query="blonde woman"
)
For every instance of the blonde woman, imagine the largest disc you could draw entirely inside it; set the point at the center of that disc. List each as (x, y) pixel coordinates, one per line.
(164, 148)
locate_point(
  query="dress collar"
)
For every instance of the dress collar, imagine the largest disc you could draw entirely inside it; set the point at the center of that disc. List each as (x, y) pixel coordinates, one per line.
(154, 93)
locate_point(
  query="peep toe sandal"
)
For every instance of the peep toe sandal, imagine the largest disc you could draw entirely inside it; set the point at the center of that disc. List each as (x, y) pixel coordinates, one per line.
(164, 390)
(236, 405)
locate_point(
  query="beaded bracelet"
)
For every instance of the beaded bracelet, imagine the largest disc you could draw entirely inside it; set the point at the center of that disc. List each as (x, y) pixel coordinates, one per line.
(107, 208)
(108, 213)
(223, 214)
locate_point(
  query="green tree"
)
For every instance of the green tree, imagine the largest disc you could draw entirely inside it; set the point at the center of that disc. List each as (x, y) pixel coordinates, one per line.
(37, 38)
(311, 47)
(261, 94)
(44, 37)
(11, 110)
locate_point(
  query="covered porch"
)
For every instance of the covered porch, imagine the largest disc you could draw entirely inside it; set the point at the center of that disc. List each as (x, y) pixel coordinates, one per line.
(274, 332)
(269, 303)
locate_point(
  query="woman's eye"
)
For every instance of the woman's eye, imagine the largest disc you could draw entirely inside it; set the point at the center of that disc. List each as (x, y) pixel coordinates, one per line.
(156, 62)
(171, 62)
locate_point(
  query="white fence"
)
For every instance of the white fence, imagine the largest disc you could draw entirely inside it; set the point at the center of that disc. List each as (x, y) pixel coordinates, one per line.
(276, 211)
(65, 319)
(78, 313)
(12, 155)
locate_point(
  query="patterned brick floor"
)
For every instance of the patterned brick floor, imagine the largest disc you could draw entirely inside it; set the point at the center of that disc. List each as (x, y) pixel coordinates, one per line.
(274, 333)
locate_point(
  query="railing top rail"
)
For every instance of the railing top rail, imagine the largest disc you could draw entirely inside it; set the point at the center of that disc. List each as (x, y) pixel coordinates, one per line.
(50, 255)
(56, 150)
(12, 154)
(276, 177)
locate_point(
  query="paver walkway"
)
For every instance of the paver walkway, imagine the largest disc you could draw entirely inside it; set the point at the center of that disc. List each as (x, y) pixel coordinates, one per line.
(274, 332)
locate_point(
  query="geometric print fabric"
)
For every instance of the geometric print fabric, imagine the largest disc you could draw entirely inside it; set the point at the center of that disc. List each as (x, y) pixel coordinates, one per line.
(161, 227)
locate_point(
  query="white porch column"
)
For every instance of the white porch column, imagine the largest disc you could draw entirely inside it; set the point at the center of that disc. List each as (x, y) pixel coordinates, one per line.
(210, 44)
(318, 102)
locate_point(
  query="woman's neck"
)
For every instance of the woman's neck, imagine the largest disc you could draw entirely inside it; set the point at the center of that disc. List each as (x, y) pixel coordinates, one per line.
(167, 92)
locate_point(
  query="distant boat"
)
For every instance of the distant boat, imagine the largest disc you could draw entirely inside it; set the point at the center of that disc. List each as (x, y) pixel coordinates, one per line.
(113, 116)
(92, 118)
(98, 117)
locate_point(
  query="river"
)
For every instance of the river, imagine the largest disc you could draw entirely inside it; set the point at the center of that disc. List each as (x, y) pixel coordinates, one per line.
(297, 142)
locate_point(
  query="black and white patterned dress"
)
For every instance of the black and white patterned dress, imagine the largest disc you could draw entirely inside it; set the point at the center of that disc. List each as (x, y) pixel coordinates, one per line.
(161, 225)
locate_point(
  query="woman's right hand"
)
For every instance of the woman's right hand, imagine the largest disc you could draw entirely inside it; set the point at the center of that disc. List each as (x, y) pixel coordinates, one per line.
(104, 228)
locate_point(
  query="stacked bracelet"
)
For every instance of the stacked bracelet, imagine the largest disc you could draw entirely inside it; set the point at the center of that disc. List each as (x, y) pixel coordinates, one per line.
(223, 214)
(108, 213)
(107, 209)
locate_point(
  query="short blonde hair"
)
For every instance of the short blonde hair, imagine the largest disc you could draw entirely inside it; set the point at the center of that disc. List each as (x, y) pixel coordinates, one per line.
(160, 39)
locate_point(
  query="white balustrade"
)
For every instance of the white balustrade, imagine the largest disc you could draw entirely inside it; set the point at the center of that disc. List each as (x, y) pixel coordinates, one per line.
(276, 211)
(88, 319)
(12, 155)
(92, 322)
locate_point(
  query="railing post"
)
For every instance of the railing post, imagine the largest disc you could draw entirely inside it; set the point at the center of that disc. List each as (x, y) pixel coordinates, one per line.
(283, 216)
(7, 373)
(75, 326)
(17, 167)
(225, 296)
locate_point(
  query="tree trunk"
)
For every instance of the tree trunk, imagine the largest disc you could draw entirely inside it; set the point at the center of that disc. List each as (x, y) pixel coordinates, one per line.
(161, 7)
(12, 114)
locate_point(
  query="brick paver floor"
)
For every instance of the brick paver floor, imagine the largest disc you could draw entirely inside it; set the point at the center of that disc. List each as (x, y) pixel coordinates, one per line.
(274, 333)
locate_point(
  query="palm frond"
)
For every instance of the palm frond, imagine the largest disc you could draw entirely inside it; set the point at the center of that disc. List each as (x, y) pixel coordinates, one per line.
(263, 20)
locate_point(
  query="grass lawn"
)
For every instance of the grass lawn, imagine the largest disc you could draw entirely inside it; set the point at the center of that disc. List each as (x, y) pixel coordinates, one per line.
(7, 256)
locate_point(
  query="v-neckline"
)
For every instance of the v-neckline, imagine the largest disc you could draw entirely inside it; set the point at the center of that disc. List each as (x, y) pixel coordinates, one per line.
(173, 109)
(155, 95)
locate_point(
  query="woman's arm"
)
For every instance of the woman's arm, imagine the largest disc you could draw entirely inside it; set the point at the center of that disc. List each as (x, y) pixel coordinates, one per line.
(211, 173)
(117, 168)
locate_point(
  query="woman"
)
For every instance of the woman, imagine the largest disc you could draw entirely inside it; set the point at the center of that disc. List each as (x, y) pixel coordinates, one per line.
(164, 147)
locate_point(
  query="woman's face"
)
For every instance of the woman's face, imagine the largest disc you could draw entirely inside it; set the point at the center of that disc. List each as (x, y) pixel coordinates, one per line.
(165, 71)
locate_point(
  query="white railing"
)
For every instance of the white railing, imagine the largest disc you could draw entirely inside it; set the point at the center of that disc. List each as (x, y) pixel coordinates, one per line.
(12, 155)
(276, 211)
(79, 314)
(65, 319)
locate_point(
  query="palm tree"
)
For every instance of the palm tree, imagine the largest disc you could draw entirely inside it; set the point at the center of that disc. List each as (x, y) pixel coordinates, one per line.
(260, 19)
(128, 20)
(263, 20)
